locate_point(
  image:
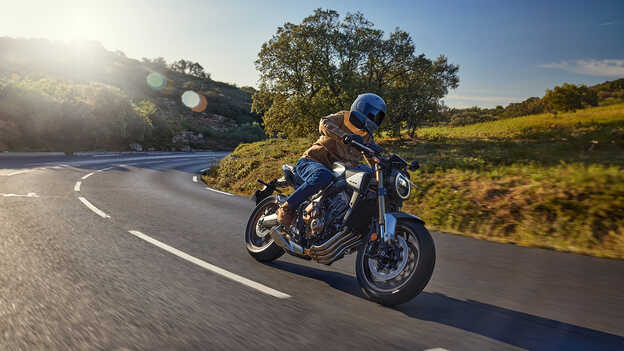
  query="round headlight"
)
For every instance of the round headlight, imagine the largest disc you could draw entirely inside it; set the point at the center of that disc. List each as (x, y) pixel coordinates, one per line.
(402, 186)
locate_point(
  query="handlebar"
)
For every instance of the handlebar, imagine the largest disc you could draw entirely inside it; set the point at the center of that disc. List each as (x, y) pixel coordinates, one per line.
(363, 148)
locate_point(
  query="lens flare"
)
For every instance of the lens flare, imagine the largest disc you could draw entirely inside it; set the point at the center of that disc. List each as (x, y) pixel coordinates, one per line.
(191, 99)
(202, 104)
(156, 81)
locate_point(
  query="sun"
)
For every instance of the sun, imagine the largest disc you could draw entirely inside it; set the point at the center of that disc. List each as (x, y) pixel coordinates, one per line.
(79, 24)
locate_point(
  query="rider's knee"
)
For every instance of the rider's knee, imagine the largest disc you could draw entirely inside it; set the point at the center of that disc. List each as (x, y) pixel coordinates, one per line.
(324, 177)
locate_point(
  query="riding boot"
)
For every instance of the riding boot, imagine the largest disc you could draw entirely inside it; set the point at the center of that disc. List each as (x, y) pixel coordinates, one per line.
(286, 214)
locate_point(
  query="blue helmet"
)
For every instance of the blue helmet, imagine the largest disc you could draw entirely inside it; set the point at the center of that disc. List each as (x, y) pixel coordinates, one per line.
(370, 106)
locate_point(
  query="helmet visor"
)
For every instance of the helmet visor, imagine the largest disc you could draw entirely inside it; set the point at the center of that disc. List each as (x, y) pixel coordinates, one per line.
(377, 117)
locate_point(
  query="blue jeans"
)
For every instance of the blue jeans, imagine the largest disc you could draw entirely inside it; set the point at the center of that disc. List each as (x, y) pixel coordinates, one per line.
(315, 176)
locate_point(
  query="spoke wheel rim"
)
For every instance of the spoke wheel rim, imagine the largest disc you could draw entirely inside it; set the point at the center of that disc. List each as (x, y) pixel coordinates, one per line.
(258, 242)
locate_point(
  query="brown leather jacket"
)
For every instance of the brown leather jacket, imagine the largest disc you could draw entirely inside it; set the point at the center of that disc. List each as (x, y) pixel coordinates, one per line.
(329, 147)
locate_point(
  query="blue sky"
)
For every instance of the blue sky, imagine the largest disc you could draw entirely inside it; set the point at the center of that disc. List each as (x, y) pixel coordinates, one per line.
(507, 50)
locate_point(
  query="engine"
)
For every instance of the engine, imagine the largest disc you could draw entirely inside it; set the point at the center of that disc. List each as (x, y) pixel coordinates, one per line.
(323, 216)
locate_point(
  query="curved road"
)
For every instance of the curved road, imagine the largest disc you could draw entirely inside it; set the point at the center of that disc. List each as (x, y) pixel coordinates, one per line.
(140, 256)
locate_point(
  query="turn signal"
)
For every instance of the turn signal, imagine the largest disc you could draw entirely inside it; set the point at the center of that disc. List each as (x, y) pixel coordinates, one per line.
(373, 237)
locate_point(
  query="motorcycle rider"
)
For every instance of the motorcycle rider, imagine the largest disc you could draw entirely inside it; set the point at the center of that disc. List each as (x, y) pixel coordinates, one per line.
(314, 165)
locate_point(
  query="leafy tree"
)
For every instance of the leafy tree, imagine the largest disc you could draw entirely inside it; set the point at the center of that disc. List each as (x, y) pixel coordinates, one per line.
(569, 97)
(159, 63)
(189, 67)
(530, 106)
(311, 69)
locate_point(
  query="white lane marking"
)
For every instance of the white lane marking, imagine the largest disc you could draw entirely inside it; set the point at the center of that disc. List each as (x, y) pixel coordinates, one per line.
(219, 191)
(20, 172)
(57, 167)
(146, 163)
(105, 169)
(195, 179)
(437, 349)
(16, 195)
(93, 208)
(77, 186)
(87, 176)
(220, 271)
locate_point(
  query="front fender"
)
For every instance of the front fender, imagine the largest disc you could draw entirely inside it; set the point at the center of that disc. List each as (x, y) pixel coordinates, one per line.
(403, 215)
(391, 220)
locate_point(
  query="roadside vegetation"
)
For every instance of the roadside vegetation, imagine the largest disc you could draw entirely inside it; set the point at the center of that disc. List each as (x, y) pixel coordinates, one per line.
(79, 96)
(541, 180)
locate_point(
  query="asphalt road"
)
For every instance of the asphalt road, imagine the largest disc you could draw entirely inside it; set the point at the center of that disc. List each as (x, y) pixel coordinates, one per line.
(85, 266)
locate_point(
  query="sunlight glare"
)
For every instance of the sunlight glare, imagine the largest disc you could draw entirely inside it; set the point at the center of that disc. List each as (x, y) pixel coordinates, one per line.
(191, 99)
(156, 80)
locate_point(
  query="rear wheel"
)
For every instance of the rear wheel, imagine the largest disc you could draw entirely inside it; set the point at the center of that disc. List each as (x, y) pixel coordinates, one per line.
(258, 239)
(397, 275)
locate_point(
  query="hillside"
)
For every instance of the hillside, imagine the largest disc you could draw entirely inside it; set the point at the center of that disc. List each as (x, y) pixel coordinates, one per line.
(538, 180)
(603, 94)
(49, 90)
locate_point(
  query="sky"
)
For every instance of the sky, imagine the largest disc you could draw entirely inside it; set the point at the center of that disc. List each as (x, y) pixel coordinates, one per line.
(507, 50)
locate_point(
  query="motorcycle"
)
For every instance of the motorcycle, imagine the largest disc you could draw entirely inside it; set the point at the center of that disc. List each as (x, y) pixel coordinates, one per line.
(359, 211)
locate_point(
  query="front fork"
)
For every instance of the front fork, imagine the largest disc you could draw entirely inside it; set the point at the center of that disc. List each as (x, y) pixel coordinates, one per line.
(387, 222)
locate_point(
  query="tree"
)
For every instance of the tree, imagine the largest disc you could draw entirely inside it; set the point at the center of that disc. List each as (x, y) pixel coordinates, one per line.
(158, 63)
(311, 69)
(189, 67)
(569, 97)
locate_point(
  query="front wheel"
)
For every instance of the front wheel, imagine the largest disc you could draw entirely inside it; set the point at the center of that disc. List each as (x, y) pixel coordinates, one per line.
(396, 275)
(258, 239)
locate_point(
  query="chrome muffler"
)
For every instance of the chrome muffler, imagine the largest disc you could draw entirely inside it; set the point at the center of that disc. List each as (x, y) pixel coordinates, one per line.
(326, 253)
(282, 241)
(269, 221)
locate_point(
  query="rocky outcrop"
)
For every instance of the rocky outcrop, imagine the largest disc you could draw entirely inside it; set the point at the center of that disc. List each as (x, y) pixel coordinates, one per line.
(187, 141)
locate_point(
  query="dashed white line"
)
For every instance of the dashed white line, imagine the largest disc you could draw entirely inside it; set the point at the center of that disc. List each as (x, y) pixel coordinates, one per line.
(105, 169)
(93, 208)
(195, 179)
(16, 195)
(87, 176)
(77, 186)
(220, 271)
(437, 349)
(219, 191)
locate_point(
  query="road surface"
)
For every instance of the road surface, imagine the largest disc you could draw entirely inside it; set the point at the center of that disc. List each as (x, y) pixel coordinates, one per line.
(133, 252)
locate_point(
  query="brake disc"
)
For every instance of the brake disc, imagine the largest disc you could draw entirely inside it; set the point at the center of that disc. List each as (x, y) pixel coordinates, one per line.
(390, 273)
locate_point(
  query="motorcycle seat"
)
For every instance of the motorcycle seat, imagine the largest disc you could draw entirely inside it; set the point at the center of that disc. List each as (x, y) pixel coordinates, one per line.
(291, 177)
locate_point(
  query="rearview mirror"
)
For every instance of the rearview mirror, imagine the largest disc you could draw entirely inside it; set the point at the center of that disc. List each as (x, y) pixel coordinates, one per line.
(414, 165)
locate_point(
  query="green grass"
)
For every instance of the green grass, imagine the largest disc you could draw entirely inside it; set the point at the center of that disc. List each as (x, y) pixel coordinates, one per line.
(533, 126)
(552, 182)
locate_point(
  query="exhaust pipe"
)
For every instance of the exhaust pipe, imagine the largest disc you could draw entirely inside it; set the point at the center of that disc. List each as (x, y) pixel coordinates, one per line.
(283, 242)
(330, 251)
(339, 252)
(269, 221)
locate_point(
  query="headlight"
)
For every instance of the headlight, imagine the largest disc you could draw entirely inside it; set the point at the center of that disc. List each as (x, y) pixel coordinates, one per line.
(402, 186)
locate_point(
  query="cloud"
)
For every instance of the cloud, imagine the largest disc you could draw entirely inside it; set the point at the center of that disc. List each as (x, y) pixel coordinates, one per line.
(481, 98)
(465, 101)
(600, 68)
(608, 23)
